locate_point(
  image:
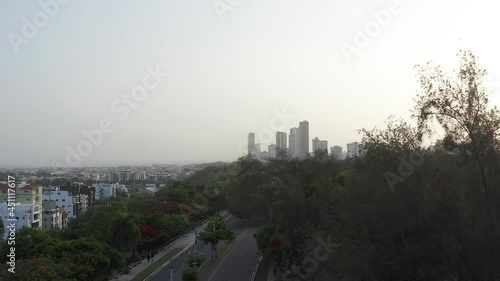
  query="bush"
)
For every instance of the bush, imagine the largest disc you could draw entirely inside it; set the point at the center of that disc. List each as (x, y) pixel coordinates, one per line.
(190, 274)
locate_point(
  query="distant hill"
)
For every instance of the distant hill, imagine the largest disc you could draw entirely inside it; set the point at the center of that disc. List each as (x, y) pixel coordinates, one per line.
(206, 165)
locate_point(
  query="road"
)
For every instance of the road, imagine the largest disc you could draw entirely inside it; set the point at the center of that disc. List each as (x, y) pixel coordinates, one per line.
(179, 264)
(238, 264)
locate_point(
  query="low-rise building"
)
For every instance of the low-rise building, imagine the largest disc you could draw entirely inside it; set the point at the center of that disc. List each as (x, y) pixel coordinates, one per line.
(26, 215)
(53, 216)
(64, 199)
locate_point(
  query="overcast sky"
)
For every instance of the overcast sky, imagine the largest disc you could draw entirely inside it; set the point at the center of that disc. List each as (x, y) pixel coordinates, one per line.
(234, 67)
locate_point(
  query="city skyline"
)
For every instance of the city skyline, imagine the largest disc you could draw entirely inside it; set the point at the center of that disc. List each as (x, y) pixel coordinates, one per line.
(153, 92)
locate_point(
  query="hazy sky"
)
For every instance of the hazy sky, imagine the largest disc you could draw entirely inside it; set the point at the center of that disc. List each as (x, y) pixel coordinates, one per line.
(232, 64)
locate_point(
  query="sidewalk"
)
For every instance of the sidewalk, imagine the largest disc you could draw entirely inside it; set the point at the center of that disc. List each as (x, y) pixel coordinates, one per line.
(185, 242)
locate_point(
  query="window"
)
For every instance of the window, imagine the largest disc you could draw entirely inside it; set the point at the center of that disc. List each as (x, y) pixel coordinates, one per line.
(4, 191)
(26, 191)
(59, 193)
(57, 199)
(27, 199)
(64, 200)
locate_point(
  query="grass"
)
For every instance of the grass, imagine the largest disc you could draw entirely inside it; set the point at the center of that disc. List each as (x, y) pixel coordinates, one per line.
(145, 273)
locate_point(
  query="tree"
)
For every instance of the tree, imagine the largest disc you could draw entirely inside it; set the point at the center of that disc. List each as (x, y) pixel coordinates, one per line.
(125, 233)
(215, 232)
(461, 108)
(190, 274)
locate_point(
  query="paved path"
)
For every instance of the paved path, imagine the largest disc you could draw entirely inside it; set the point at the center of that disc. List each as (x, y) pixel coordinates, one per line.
(239, 263)
(179, 263)
(185, 242)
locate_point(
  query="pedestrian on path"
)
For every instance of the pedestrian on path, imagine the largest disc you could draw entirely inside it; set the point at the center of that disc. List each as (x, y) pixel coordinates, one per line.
(152, 257)
(148, 257)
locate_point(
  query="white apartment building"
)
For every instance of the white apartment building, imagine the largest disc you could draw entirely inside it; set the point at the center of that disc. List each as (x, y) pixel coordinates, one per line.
(27, 215)
(64, 199)
(105, 190)
(53, 216)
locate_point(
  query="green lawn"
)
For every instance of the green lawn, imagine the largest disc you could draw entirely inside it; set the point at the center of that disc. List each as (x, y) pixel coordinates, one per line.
(145, 273)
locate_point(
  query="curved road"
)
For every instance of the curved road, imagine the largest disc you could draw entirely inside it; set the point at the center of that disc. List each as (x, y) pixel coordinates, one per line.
(238, 264)
(179, 263)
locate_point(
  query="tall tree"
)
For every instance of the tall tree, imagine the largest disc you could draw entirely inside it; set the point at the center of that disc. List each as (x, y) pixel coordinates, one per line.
(215, 232)
(462, 109)
(125, 232)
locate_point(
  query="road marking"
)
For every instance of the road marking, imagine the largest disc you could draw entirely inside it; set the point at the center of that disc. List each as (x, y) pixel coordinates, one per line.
(227, 253)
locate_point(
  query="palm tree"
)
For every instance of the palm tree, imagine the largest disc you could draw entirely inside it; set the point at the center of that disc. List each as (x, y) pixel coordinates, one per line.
(125, 233)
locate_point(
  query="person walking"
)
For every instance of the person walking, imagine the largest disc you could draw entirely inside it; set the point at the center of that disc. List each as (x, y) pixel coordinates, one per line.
(148, 257)
(152, 257)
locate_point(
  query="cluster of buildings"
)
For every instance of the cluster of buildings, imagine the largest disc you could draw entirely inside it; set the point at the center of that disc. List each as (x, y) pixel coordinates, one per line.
(48, 207)
(297, 145)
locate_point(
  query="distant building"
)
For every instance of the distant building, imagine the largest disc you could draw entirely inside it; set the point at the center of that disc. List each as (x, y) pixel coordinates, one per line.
(303, 139)
(353, 149)
(85, 193)
(344, 155)
(293, 140)
(272, 150)
(319, 145)
(336, 152)
(281, 141)
(105, 190)
(140, 175)
(251, 144)
(53, 216)
(257, 151)
(264, 155)
(64, 199)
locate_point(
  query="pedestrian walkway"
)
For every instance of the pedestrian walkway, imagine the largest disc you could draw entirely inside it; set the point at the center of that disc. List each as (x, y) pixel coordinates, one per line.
(185, 242)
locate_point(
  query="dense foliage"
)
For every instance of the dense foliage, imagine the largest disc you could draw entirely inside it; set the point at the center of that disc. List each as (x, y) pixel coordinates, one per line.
(401, 211)
(107, 237)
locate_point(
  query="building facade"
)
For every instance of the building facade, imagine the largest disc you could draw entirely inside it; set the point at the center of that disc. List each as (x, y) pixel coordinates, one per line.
(336, 152)
(64, 199)
(303, 139)
(293, 142)
(251, 144)
(319, 145)
(281, 141)
(27, 215)
(53, 216)
(105, 190)
(352, 150)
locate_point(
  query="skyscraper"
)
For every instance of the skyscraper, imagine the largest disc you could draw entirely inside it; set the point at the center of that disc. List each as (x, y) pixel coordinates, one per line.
(293, 142)
(272, 150)
(318, 144)
(352, 149)
(257, 151)
(303, 139)
(281, 141)
(251, 144)
(336, 152)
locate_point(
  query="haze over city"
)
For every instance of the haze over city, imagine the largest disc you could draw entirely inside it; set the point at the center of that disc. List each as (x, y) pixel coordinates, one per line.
(229, 73)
